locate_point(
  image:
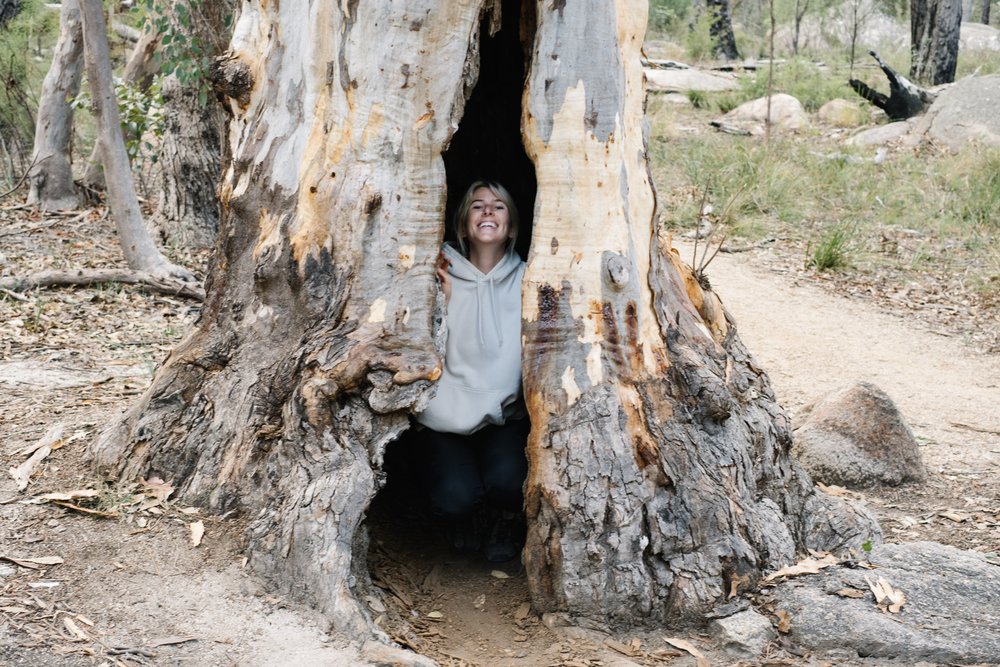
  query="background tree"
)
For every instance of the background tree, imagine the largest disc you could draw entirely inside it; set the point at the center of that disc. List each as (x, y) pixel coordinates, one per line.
(660, 470)
(51, 174)
(984, 17)
(721, 29)
(138, 247)
(188, 149)
(934, 36)
(8, 10)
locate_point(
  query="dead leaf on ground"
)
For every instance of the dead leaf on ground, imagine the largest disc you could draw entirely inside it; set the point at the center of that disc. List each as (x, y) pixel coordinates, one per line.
(53, 439)
(625, 649)
(157, 488)
(886, 597)
(74, 630)
(805, 566)
(523, 611)
(33, 563)
(784, 621)
(851, 593)
(197, 532)
(690, 648)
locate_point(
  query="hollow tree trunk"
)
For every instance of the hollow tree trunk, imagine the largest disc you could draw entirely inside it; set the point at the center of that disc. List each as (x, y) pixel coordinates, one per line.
(934, 35)
(51, 177)
(660, 466)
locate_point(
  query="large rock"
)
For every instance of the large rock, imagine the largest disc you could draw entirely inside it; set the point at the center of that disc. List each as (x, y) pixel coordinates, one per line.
(965, 112)
(856, 437)
(978, 37)
(951, 614)
(786, 113)
(842, 113)
(745, 634)
(881, 135)
(683, 80)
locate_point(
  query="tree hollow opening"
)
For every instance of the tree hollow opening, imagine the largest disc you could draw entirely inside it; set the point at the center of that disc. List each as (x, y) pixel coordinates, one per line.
(488, 142)
(486, 145)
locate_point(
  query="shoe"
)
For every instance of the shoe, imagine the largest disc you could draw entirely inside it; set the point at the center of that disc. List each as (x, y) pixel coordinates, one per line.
(506, 538)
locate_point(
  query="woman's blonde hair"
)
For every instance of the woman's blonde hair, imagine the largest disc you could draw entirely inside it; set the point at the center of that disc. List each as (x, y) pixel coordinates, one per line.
(462, 212)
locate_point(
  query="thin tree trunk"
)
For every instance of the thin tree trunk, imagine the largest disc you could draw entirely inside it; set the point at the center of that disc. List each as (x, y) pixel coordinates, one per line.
(934, 35)
(140, 252)
(985, 16)
(142, 65)
(721, 29)
(51, 177)
(660, 468)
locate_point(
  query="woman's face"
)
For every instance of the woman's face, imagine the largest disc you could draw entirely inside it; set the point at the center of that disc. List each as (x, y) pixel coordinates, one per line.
(488, 222)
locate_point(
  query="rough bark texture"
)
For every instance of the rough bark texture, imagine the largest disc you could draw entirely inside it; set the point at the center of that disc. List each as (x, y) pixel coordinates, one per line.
(188, 168)
(934, 35)
(660, 469)
(721, 29)
(51, 178)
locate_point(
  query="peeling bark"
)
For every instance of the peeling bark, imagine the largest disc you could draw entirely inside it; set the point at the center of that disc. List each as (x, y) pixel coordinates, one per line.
(51, 177)
(660, 472)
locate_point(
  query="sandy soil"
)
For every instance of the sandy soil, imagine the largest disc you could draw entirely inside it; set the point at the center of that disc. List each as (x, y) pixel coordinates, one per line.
(134, 590)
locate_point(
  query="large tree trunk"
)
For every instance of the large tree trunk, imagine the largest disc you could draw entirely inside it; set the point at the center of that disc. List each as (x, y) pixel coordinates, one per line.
(137, 245)
(660, 463)
(934, 34)
(51, 177)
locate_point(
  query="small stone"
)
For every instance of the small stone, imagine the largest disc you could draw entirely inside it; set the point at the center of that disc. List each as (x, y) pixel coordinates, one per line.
(745, 634)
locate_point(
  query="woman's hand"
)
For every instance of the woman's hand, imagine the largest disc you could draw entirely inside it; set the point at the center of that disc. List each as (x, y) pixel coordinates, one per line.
(441, 268)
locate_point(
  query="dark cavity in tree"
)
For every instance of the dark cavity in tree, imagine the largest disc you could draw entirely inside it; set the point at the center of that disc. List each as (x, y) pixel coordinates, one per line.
(488, 143)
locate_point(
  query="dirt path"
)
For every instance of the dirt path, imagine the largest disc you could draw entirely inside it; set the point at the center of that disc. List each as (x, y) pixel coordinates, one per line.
(132, 583)
(812, 342)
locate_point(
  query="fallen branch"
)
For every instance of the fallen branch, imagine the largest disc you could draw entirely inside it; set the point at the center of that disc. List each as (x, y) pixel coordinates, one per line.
(92, 276)
(905, 99)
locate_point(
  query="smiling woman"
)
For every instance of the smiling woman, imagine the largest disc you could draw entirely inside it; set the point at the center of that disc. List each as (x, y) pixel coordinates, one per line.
(476, 426)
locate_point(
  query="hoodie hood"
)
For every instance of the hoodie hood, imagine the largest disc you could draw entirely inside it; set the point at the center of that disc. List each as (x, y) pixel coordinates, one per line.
(481, 381)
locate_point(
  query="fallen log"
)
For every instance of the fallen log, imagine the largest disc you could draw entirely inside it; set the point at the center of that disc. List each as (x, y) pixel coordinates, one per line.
(905, 98)
(92, 276)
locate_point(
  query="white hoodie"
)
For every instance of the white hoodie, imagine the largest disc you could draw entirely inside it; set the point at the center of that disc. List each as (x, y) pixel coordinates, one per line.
(481, 382)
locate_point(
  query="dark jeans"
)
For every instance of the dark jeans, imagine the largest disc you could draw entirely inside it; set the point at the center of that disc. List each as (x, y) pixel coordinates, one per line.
(463, 471)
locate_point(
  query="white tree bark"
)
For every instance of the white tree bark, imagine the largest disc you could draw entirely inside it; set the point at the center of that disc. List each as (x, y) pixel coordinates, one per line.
(138, 247)
(51, 177)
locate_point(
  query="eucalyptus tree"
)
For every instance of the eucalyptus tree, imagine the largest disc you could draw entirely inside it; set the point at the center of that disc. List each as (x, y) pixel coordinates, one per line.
(660, 477)
(50, 177)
